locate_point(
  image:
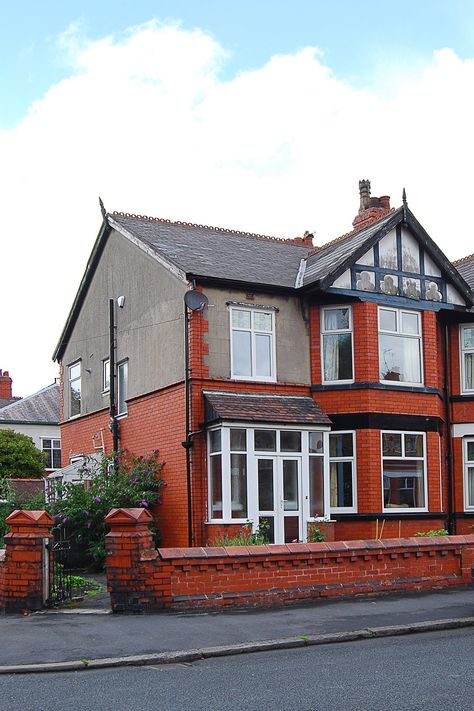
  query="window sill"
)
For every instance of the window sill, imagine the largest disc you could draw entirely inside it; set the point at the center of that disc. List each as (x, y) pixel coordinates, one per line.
(404, 510)
(250, 379)
(227, 522)
(403, 384)
(74, 417)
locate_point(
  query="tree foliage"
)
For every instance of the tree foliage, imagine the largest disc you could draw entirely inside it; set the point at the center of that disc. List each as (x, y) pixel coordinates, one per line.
(19, 458)
(10, 500)
(80, 508)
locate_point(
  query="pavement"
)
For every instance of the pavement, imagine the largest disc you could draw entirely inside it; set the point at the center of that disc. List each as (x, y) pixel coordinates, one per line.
(89, 636)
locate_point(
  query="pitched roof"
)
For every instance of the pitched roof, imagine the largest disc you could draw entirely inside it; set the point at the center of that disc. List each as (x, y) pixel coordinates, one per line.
(211, 252)
(465, 267)
(42, 406)
(326, 260)
(8, 401)
(261, 407)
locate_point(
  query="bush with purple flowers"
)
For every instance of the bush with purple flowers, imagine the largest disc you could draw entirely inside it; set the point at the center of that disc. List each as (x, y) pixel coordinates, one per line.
(81, 507)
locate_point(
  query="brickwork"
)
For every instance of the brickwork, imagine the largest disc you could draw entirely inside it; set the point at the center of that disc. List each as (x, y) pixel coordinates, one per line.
(141, 579)
(22, 570)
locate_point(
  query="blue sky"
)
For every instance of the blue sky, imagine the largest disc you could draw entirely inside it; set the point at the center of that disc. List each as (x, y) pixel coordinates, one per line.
(355, 37)
(260, 116)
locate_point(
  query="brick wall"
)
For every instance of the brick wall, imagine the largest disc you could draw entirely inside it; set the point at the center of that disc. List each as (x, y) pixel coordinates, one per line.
(142, 579)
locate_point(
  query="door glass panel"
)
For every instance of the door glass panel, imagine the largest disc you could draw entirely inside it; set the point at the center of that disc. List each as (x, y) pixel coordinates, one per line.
(267, 523)
(265, 485)
(316, 487)
(238, 485)
(265, 440)
(290, 441)
(291, 529)
(290, 485)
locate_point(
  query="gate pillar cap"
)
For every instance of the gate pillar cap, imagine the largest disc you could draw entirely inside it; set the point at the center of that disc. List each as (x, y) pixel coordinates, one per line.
(128, 516)
(20, 517)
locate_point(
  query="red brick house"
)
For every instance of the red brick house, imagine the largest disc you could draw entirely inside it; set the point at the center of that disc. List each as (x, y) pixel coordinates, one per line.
(305, 381)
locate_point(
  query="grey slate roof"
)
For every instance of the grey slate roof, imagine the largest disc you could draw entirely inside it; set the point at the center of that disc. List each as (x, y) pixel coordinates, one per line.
(466, 269)
(218, 253)
(329, 258)
(261, 407)
(7, 401)
(42, 406)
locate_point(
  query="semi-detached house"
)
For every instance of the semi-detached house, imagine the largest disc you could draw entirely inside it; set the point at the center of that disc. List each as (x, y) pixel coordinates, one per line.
(304, 381)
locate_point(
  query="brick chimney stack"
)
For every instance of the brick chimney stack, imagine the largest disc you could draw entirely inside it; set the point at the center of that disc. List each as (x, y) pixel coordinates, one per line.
(5, 385)
(371, 209)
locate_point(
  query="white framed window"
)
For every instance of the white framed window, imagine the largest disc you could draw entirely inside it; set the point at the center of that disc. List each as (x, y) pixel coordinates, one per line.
(271, 476)
(74, 380)
(466, 337)
(122, 387)
(106, 375)
(52, 448)
(337, 350)
(404, 471)
(400, 346)
(468, 459)
(342, 472)
(252, 344)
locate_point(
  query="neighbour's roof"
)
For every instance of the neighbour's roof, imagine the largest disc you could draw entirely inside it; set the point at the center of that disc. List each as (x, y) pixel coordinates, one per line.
(42, 406)
(465, 267)
(261, 407)
(8, 401)
(217, 253)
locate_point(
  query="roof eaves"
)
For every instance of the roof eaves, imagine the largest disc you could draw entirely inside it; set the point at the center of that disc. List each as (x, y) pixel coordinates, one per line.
(89, 272)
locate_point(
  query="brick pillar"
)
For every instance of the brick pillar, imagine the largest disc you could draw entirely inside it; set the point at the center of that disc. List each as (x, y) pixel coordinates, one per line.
(24, 578)
(137, 580)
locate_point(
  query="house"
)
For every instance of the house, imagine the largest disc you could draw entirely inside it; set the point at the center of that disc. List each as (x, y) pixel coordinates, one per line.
(295, 382)
(36, 416)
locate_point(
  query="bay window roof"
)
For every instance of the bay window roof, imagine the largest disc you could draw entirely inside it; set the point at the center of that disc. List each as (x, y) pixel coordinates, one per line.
(261, 407)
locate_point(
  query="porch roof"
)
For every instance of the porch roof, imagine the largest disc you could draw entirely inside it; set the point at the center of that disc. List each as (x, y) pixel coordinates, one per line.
(261, 407)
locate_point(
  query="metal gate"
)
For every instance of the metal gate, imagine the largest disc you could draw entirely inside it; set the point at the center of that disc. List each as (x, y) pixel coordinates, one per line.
(59, 574)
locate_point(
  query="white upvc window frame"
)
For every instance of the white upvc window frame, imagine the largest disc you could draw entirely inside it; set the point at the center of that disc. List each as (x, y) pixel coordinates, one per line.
(353, 460)
(402, 334)
(253, 310)
(424, 458)
(120, 365)
(252, 457)
(335, 332)
(51, 449)
(462, 352)
(71, 380)
(105, 370)
(467, 463)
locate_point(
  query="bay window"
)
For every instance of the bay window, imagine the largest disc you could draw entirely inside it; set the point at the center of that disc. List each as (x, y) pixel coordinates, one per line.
(404, 470)
(342, 472)
(400, 346)
(467, 358)
(468, 456)
(337, 353)
(252, 343)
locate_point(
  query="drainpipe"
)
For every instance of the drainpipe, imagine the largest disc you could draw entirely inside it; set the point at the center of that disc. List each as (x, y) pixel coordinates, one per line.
(114, 425)
(451, 524)
(187, 444)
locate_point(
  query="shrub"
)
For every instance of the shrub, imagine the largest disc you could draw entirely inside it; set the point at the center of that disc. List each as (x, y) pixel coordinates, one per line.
(19, 457)
(80, 508)
(247, 537)
(10, 501)
(433, 532)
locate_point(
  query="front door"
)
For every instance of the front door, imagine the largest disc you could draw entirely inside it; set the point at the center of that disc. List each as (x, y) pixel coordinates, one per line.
(279, 498)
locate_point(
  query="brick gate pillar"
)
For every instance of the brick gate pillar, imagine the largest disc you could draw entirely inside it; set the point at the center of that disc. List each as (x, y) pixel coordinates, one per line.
(26, 566)
(136, 577)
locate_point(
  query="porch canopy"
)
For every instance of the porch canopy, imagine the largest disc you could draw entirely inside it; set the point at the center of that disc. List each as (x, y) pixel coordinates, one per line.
(261, 407)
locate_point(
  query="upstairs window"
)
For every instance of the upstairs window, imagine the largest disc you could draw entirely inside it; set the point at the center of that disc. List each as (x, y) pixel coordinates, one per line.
(400, 346)
(122, 388)
(467, 358)
(75, 389)
(52, 449)
(336, 331)
(252, 344)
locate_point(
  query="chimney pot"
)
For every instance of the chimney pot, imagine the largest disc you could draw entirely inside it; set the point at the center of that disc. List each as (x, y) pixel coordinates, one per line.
(385, 202)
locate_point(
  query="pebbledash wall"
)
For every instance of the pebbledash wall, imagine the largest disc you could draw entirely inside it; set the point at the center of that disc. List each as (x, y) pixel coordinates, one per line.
(143, 579)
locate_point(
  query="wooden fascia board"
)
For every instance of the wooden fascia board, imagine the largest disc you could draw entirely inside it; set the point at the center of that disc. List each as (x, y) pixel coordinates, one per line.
(83, 288)
(242, 285)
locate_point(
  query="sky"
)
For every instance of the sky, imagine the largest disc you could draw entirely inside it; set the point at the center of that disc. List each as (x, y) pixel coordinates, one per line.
(256, 115)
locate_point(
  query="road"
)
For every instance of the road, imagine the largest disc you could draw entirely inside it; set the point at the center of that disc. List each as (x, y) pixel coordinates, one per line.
(425, 672)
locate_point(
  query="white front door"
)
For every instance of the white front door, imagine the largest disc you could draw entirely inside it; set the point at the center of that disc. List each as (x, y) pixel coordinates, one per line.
(279, 498)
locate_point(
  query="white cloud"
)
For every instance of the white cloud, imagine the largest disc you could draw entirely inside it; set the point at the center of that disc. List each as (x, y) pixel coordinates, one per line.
(145, 120)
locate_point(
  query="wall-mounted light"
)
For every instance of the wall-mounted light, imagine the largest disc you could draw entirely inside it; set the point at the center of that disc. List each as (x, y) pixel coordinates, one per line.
(121, 301)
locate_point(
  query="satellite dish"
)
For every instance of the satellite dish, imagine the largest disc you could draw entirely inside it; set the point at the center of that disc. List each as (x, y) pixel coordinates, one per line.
(195, 300)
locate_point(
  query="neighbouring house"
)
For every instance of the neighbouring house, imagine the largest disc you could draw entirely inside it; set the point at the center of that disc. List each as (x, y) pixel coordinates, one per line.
(36, 416)
(299, 381)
